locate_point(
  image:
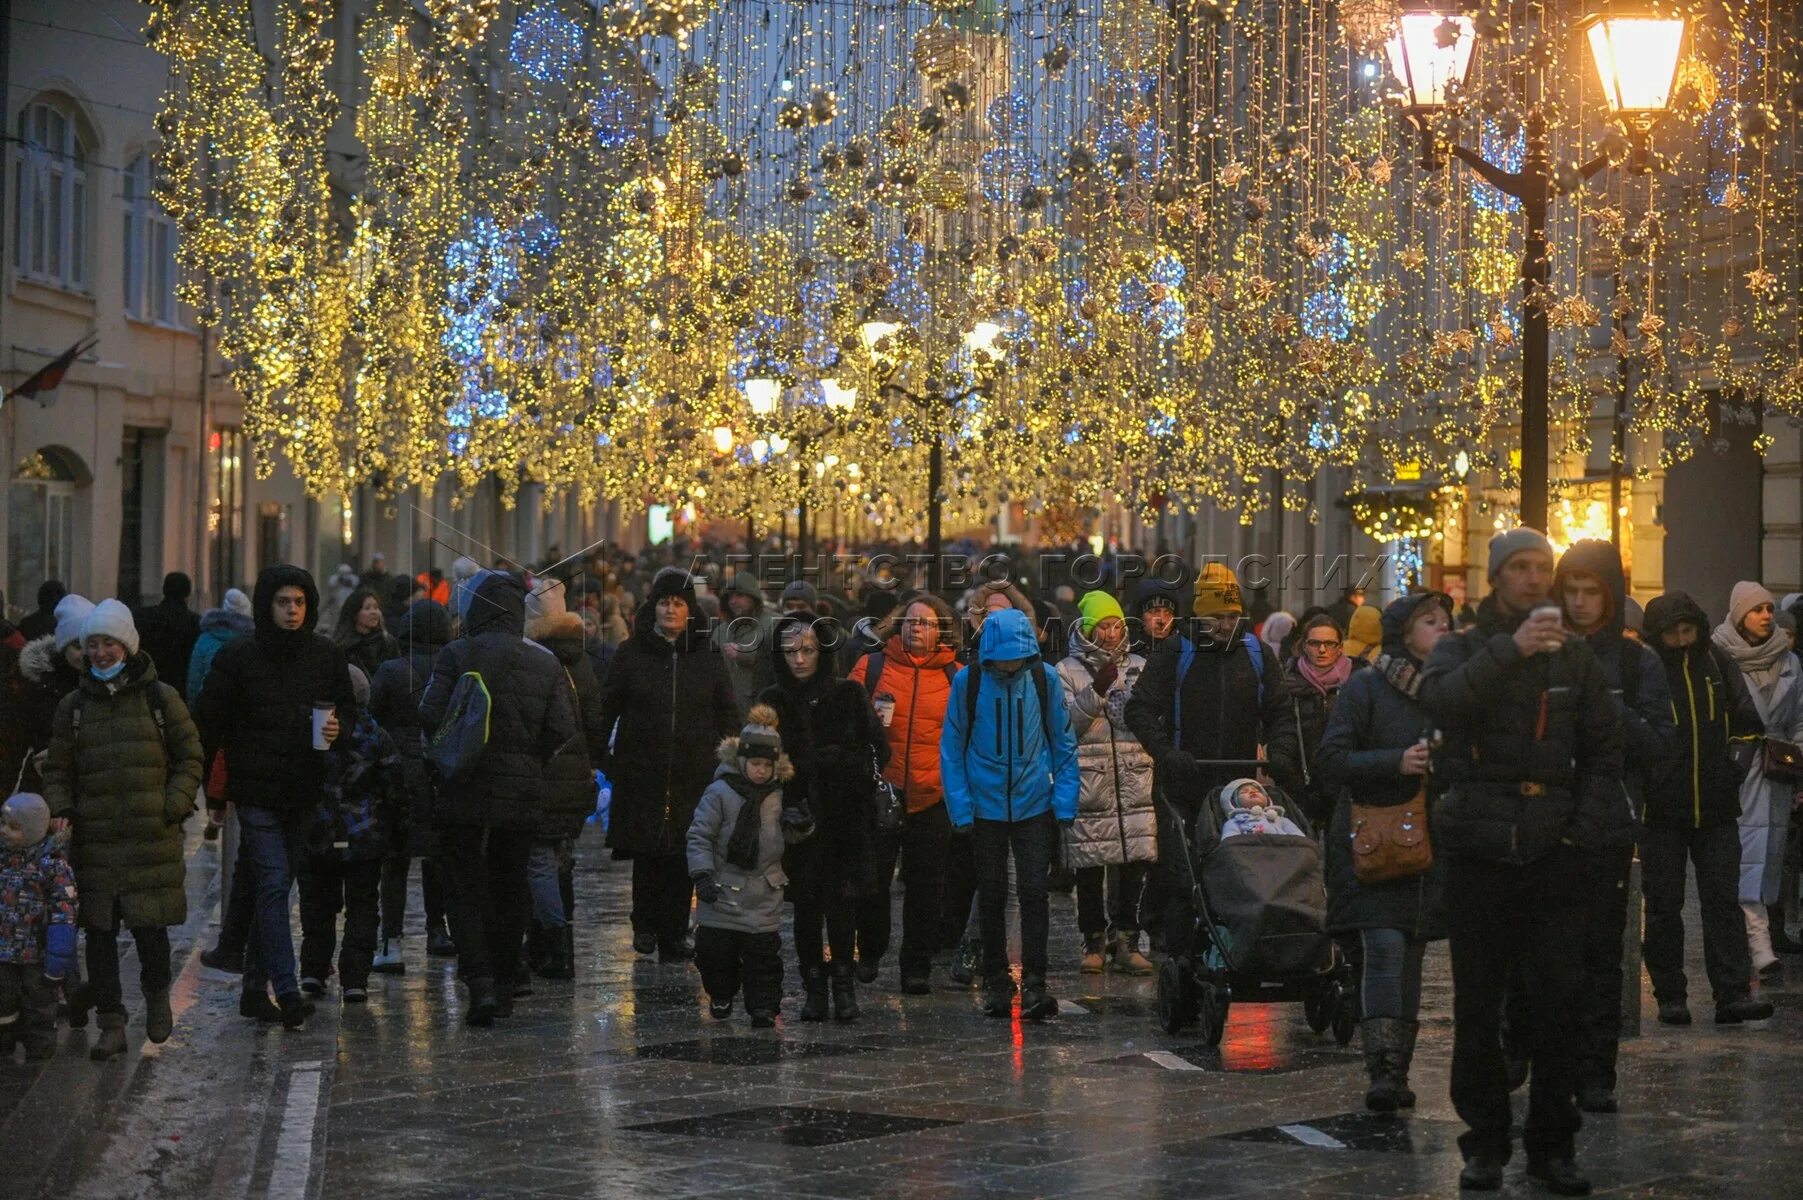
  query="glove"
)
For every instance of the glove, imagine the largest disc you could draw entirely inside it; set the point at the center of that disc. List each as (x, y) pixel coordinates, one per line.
(1180, 763)
(1104, 679)
(797, 818)
(59, 951)
(706, 890)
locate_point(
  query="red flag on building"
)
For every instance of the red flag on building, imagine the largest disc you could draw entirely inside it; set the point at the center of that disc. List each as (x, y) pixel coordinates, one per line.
(44, 380)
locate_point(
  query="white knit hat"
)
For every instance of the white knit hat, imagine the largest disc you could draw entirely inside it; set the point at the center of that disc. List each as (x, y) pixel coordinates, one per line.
(236, 601)
(71, 614)
(112, 619)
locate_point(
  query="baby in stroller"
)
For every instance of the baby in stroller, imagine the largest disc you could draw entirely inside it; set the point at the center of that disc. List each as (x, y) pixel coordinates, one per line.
(1247, 808)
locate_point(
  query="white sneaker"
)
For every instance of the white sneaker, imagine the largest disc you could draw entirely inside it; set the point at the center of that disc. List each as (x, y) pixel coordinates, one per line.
(388, 958)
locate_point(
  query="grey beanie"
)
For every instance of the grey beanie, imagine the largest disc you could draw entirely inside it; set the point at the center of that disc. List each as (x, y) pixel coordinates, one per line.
(802, 590)
(1510, 542)
(31, 814)
(359, 685)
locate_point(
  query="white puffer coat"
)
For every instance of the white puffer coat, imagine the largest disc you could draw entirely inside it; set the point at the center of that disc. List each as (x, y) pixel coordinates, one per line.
(1116, 822)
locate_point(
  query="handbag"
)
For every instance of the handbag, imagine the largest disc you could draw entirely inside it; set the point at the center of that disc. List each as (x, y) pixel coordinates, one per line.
(1782, 761)
(890, 811)
(1389, 841)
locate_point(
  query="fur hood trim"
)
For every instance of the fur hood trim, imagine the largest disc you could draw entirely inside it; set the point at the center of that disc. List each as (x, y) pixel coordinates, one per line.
(728, 754)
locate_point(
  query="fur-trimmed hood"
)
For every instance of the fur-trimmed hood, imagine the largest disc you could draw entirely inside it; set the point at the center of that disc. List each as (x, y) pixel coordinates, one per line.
(38, 660)
(561, 624)
(728, 754)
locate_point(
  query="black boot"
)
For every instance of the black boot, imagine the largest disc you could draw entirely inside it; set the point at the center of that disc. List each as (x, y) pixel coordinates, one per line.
(1558, 1174)
(438, 940)
(1405, 1058)
(1782, 941)
(813, 983)
(998, 996)
(257, 1006)
(559, 958)
(483, 1003)
(1036, 1003)
(81, 1003)
(1382, 1041)
(845, 994)
(1482, 1173)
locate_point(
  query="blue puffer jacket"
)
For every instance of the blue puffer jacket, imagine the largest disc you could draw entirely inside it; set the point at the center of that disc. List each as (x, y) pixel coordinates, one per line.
(1003, 770)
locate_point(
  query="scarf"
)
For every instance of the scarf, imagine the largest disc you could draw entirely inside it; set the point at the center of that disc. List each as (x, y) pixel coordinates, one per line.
(1401, 672)
(742, 846)
(1325, 681)
(1761, 664)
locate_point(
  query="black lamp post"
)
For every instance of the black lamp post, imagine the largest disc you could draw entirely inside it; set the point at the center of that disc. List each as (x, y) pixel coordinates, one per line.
(1636, 57)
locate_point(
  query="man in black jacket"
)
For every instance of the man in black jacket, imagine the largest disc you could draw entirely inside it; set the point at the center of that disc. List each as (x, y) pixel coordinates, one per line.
(169, 630)
(1213, 694)
(1592, 591)
(1532, 763)
(486, 821)
(257, 706)
(1693, 810)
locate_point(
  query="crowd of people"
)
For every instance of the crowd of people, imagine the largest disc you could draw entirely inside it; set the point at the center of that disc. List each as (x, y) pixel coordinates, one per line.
(757, 755)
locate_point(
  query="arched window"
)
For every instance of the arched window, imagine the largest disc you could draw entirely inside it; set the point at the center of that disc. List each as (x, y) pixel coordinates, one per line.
(50, 189)
(150, 238)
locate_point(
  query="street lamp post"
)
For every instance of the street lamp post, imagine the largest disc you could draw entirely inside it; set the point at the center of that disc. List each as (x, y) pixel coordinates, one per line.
(1636, 57)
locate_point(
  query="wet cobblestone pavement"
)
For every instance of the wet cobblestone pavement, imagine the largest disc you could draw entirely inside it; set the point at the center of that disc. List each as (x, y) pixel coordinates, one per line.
(620, 1085)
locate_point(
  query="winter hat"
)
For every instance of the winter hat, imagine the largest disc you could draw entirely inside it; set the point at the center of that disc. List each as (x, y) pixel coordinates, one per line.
(236, 601)
(759, 738)
(1510, 542)
(1365, 631)
(546, 603)
(1217, 591)
(1276, 630)
(359, 686)
(1746, 597)
(113, 619)
(1097, 607)
(31, 814)
(1401, 612)
(802, 590)
(1230, 793)
(672, 581)
(177, 586)
(71, 614)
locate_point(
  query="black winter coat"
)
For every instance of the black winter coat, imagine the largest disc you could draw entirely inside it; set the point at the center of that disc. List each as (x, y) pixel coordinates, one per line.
(1360, 759)
(1223, 718)
(831, 734)
(1532, 753)
(257, 702)
(167, 632)
(665, 705)
(368, 651)
(532, 714)
(1308, 713)
(1717, 724)
(424, 630)
(570, 779)
(44, 677)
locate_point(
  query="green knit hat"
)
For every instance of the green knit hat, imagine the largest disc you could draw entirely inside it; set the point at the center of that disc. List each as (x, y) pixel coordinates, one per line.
(1097, 607)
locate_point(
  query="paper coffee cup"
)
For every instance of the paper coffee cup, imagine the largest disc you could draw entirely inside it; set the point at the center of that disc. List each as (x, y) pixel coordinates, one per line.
(322, 712)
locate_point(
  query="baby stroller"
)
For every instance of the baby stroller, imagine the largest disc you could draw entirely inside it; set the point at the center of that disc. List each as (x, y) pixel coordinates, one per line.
(1261, 925)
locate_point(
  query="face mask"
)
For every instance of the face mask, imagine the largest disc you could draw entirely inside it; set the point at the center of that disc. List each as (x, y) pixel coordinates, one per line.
(107, 673)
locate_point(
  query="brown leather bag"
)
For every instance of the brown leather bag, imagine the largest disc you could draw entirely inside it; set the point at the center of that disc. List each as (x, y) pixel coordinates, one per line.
(1389, 841)
(1782, 761)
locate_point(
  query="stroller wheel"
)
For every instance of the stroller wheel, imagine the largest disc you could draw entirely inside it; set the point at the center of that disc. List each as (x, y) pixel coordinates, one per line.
(1318, 1004)
(1345, 1014)
(1176, 997)
(1214, 1013)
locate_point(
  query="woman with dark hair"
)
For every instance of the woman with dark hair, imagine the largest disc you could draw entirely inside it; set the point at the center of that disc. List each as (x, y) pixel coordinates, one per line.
(1375, 752)
(1312, 686)
(832, 736)
(361, 633)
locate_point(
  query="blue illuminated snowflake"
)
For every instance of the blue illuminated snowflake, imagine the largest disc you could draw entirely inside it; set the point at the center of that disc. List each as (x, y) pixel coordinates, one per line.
(1507, 153)
(1325, 315)
(1162, 426)
(1323, 437)
(614, 113)
(546, 44)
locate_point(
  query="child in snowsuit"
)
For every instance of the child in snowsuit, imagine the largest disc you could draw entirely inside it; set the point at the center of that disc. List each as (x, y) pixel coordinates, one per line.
(1247, 808)
(37, 927)
(349, 837)
(735, 851)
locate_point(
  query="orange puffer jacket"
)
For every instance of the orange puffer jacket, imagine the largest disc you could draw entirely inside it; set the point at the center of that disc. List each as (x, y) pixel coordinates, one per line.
(910, 699)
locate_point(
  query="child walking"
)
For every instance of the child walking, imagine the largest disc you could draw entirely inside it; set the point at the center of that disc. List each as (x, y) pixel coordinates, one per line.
(735, 850)
(37, 927)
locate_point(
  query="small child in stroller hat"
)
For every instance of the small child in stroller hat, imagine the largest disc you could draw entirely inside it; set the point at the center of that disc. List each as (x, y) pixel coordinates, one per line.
(1247, 808)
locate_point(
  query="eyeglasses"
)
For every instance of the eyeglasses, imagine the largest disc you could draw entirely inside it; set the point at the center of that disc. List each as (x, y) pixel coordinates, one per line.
(1312, 644)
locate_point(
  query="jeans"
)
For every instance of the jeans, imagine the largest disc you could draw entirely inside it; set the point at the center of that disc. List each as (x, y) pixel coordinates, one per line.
(550, 861)
(924, 844)
(662, 894)
(154, 972)
(1501, 916)
(486, 873)
(328, 885)
(1033, 843)
(395, 869)
(729, 959)
(1108, 899)
(1605, 921)
(273, 845)
(1391, 985)
(1716, 853)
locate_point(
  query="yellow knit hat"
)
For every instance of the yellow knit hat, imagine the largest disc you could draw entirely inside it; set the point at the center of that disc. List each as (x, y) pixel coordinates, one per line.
(1217, 590)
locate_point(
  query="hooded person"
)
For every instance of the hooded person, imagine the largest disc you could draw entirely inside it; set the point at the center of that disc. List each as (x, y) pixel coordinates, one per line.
(569, 791)
(833, 737)
(1590, 586)
(1750, 636)
(49, 668)
(1008, 758)
(1693, 813)
(41, 621)
(123, 768)
(1116, 828)
(257, 705)
(230, 621)
(1374, 752)
(1152, 616)
(169, 629)
(993, 596)
(666, 703)
(742, 636)
(485, 821)
(421, 633)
